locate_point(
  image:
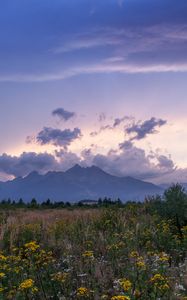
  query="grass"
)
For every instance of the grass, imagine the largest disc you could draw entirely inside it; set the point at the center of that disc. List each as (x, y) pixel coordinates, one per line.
(105, 253)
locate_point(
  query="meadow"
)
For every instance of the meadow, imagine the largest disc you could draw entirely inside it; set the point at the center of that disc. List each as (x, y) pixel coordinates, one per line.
(112, 253)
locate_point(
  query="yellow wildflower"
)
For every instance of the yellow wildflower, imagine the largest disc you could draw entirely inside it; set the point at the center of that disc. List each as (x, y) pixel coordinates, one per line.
(113, 247)
(11, 294)
(140, 264)
(17, 270)
(157, 277)
(88, 254)
(120, 297)
(184, 229)
(26, 284)
(15, 249)
(60, 277)
(32, 246)
(160, 282)
(163, 257)
(2, 275)
(165, 227)
(164, 286)
(2, 257)
(134, 254)
(82, 292)
(125, 284)
(34, 290)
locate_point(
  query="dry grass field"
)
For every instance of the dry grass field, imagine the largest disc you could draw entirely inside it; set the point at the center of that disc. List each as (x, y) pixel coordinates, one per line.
(105, 253)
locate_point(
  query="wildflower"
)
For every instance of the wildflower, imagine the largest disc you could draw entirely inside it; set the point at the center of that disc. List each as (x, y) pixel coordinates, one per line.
(2, 275)
(44, 258)
(26, 284)
(103, 297)
(165, 286)
(1, 289)
(120, 297)
(82, 292)
(32, 246)
(125, 284)
(134, 254)
(17, 270)
(160, 282)
(140, 263)
(89, 243)
(11, 294)
(163, 257)
(15, 249)
(184, 229)
(34, 290)
(113, 247)
(165, 227)
(88, 254)
(81, 274)
(60, 277)
(157, 277)
(2, 257)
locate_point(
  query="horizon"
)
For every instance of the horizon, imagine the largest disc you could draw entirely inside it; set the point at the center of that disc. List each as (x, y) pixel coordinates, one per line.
(94, 83)
(90, 167)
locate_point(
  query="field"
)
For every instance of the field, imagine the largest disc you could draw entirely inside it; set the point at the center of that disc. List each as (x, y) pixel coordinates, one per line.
(91, 253)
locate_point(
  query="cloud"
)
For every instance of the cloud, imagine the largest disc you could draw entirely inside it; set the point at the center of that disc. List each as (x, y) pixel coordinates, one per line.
(165, 162)
(63, 114)
(127, 145)
(88, 41)
(101, 67)
(58, 137)
(142, 129)
(67, 159)
(26, 163)
(102, 117)
(128, 50)
(179, 175)
(30, 139)
(117, 122)
(126, 160)
(133, 161)
(102, 128)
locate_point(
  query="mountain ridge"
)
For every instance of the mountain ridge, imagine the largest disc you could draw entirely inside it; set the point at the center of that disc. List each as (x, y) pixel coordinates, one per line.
(76, 184)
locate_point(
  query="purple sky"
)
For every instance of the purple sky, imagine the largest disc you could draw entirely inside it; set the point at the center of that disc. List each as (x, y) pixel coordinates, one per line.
(94, 82)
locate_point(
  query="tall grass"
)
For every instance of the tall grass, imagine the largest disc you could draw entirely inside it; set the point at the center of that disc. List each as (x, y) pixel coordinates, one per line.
(119, 253)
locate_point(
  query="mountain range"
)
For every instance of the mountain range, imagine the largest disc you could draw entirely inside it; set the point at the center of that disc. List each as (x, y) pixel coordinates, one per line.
(76, 184)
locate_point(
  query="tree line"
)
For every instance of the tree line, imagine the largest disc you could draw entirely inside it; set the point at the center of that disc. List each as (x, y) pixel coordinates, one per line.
(172, 205)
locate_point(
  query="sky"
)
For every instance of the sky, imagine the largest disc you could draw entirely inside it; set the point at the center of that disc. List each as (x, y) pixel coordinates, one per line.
(94, 82)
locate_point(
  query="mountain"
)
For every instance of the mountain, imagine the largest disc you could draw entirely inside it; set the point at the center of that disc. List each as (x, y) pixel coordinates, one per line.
(76, 184)
(167, 185)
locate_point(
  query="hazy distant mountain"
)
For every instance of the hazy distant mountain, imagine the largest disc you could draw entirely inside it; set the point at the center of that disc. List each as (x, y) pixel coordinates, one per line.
(76, 184)
(167, 185)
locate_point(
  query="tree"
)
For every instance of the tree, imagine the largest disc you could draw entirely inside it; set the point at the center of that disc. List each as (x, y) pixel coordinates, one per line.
(20, 202)
(48, 202)
(175, 199)
(33, 203)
